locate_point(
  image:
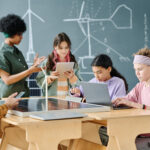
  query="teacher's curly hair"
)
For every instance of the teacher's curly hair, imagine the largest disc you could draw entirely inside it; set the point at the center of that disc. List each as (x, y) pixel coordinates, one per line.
(12, 24)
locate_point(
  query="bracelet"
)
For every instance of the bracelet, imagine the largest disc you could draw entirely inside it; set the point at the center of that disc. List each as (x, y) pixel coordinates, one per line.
(144, 106)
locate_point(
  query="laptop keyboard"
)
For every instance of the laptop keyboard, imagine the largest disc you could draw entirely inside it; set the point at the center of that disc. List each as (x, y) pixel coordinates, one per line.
(120, 107)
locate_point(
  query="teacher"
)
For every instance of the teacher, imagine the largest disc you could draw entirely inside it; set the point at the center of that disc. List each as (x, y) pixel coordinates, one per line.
(13, 67)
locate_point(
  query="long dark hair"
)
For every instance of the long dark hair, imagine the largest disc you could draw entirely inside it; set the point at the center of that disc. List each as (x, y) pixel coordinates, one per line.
(61, 37)
(105, 61)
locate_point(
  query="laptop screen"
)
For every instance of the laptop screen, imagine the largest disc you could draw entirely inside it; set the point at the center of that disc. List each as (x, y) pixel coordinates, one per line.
(96, 93)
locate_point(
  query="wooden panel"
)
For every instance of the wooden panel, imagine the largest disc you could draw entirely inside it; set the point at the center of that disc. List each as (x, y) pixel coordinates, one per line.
(85, 145)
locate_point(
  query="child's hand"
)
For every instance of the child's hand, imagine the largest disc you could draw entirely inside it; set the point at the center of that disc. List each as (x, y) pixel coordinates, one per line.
(11, 101)
(75, 91)
(123, 101)
(69, 74)
(55, 73)
(50, 79)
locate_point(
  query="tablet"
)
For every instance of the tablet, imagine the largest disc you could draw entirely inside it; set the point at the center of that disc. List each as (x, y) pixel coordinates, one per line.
(62, 67)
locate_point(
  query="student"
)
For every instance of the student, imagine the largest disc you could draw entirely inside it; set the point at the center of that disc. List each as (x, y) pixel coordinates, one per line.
(13, 67)
(139, 96)
(58, 85)
(104, 72)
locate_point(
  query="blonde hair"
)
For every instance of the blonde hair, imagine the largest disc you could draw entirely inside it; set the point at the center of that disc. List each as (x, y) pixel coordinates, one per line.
(144, 52)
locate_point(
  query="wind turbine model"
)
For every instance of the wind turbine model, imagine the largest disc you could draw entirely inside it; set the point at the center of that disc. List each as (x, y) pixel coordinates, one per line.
(88, 35)
(46, 88)
(31, 52)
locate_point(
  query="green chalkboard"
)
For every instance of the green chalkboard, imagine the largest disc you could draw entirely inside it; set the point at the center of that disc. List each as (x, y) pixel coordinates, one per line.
(114, 27)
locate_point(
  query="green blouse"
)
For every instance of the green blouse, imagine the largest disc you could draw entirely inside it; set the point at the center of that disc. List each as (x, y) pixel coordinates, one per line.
(12, 61)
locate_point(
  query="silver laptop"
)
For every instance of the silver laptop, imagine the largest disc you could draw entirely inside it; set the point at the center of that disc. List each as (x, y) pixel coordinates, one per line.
(96, 93)
(56, 115)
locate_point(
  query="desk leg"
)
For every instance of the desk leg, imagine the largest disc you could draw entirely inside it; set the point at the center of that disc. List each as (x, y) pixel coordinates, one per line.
(32, 146)
(14, 136)
(112, 145)
(81, 144)
(48, 134)
(123, 132)
(3, 144)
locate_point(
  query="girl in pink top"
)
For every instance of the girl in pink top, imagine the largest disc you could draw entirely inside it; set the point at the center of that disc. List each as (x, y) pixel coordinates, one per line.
(139, 96)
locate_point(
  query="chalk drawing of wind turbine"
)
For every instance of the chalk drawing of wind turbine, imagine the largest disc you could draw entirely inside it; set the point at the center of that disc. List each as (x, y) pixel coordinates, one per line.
(31, 52)
(146, 40)
(89, 36)
(46, 88)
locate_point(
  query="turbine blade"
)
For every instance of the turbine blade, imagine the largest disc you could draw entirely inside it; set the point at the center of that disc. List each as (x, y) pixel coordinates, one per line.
(25, 14)
(81, 11)
(37, 16)
(82, 28)
(43, 71)
(43, 83)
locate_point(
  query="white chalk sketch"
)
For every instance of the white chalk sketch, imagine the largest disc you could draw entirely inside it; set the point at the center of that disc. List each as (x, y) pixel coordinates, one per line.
(145, 31)
(31, 52)
(88, 36)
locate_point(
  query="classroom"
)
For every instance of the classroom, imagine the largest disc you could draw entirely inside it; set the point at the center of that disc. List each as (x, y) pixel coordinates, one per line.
(74, 75)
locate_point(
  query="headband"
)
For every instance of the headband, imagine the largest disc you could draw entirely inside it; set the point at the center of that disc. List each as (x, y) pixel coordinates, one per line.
(140, 59)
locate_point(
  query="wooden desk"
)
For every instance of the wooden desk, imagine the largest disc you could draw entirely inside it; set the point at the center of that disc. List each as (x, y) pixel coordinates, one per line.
(42, 135)
(123, 127)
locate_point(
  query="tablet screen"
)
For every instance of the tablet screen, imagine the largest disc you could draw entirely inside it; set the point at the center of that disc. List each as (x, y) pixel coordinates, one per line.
(62, 67)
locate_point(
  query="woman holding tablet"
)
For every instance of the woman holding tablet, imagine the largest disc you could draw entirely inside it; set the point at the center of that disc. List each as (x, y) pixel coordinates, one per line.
(58, 85)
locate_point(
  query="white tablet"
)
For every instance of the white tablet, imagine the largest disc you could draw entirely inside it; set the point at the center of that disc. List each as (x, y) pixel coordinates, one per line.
(62, 67)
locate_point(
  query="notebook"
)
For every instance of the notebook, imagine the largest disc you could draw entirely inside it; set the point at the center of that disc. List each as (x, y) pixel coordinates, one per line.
(57, 115)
